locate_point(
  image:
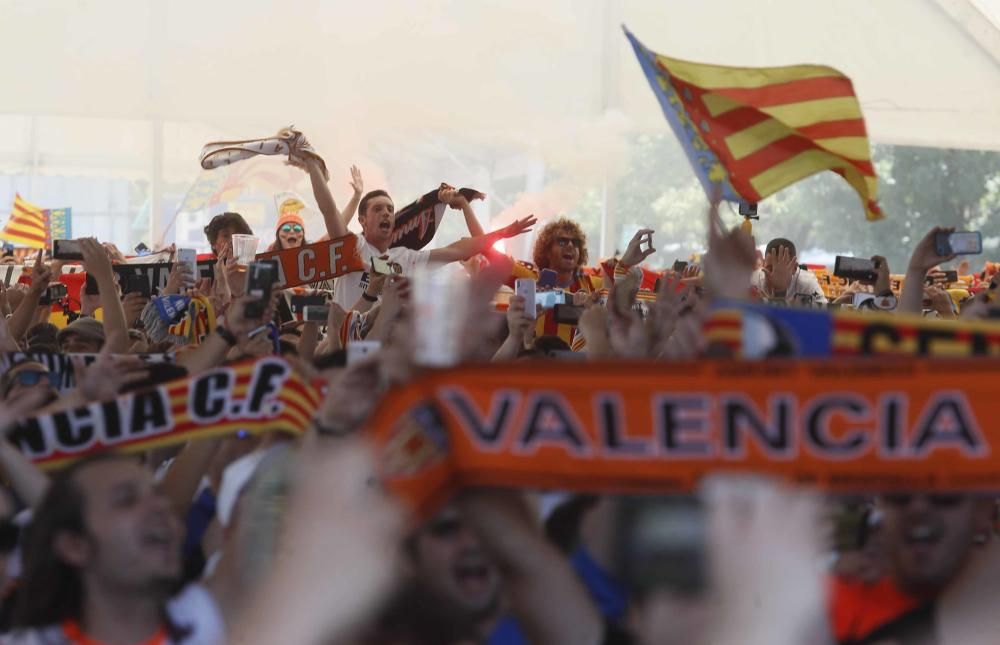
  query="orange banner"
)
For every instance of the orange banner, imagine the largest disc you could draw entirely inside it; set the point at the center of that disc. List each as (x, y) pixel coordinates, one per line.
(316, 262)
(849, 427)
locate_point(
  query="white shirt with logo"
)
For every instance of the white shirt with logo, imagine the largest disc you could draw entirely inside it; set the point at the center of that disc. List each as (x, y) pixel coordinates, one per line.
(348, 288)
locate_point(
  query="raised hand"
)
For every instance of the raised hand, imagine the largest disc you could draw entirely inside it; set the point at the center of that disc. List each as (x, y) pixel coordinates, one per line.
(639, 248)
(332, 568)
(96, 260)
(180, 279)
(357, 182)
(925, 255)
(779, 267)
(764, 542)
(103, 379)
(518, 227)
(730, 259)
(133, 304)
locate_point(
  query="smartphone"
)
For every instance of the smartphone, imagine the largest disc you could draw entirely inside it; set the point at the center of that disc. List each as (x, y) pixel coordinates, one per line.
(568, 314)
(190, 258)
(525, 287)
(959, 243)
(547, 278)
(384, 267)
(90, 287)
(298, 303)
(661, 543)
(141, 249)
(55, 293)
(858, 269)
(679, 266)
(315, 313)
(260, 279)
(358, 350)
(135, 284)
(950, 277)
(66, 250)
(549, 299)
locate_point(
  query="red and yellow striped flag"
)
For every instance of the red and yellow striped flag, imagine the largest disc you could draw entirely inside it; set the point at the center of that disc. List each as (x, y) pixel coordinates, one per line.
(28, 225)
(756, 130)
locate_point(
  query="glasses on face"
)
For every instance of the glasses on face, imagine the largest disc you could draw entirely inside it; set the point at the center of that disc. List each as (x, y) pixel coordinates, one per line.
(29, 378)
(444, 528)
(563, 242)
(291, 228)
(941, 501)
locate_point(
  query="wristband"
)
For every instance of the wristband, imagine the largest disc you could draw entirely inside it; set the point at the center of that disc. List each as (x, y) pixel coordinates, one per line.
(226, 335)
(364, 294)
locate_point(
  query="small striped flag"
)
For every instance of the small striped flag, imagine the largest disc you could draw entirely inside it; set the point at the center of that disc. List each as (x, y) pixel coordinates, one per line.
(28, 225)
(756, 130)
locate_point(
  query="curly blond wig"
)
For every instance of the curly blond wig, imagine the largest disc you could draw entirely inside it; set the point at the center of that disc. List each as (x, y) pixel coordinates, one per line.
(561, 227)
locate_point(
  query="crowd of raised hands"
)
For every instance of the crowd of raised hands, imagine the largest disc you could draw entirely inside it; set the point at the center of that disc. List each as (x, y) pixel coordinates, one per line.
(294, 541)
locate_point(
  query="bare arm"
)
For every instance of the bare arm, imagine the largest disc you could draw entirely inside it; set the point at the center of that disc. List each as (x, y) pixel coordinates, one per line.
(29, 482)
(22, 317)
(98, 264)
(358, 184)
(924, 258)
(184, 476)
(335, 224)
(467, 247)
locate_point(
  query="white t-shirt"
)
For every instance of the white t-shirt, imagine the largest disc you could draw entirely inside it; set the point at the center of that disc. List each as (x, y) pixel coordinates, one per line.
(348, 288)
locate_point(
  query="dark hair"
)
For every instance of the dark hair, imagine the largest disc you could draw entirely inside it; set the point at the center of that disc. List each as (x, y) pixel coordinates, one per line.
(778, 243)
(51, 591)
(42, 334)
(548, 344)
(549, 234)
(223, 221)
(329, 360)
(363, 204)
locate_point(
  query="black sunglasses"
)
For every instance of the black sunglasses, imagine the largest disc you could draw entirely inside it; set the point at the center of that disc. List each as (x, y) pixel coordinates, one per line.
(566, 241)
(941, 501)
(445, 527)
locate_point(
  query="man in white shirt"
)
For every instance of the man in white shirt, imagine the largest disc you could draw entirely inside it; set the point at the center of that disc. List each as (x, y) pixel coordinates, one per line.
(377, 214)
(782, 280)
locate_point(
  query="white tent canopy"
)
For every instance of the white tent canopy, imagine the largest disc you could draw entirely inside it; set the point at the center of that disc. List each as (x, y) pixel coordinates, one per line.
(133, 88)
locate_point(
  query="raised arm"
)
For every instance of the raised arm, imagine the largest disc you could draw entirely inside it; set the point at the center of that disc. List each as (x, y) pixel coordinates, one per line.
(98, 264)
(458, 201)
(335, 223)
(25, 312)
(358, 184)
(924, 258)
(467, 247)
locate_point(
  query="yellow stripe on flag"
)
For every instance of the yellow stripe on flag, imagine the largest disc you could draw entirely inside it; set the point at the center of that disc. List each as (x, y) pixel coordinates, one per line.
(749, 140)
(717, 76)
(793, 169)
(848, 147)
(803, 113)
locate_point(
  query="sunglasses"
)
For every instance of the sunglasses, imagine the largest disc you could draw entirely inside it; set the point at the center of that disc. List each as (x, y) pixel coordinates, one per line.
(940, 501)
(445, 528)
(29, 378)
(566, 241)
(290, 228)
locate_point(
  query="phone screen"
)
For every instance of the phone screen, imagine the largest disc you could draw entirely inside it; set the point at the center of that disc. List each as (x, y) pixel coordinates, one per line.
(966, 243)
(66, 250)
(854, 268)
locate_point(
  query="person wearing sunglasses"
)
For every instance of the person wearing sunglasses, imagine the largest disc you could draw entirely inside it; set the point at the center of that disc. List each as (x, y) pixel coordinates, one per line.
(27, 376)
(290, 232)
(934, 544)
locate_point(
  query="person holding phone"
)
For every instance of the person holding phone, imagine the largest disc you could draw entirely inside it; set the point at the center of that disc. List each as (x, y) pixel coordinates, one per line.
(561, 247)
(781, 278)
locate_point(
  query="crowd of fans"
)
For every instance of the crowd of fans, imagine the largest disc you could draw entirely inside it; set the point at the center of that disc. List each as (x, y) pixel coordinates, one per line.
(277, 539)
